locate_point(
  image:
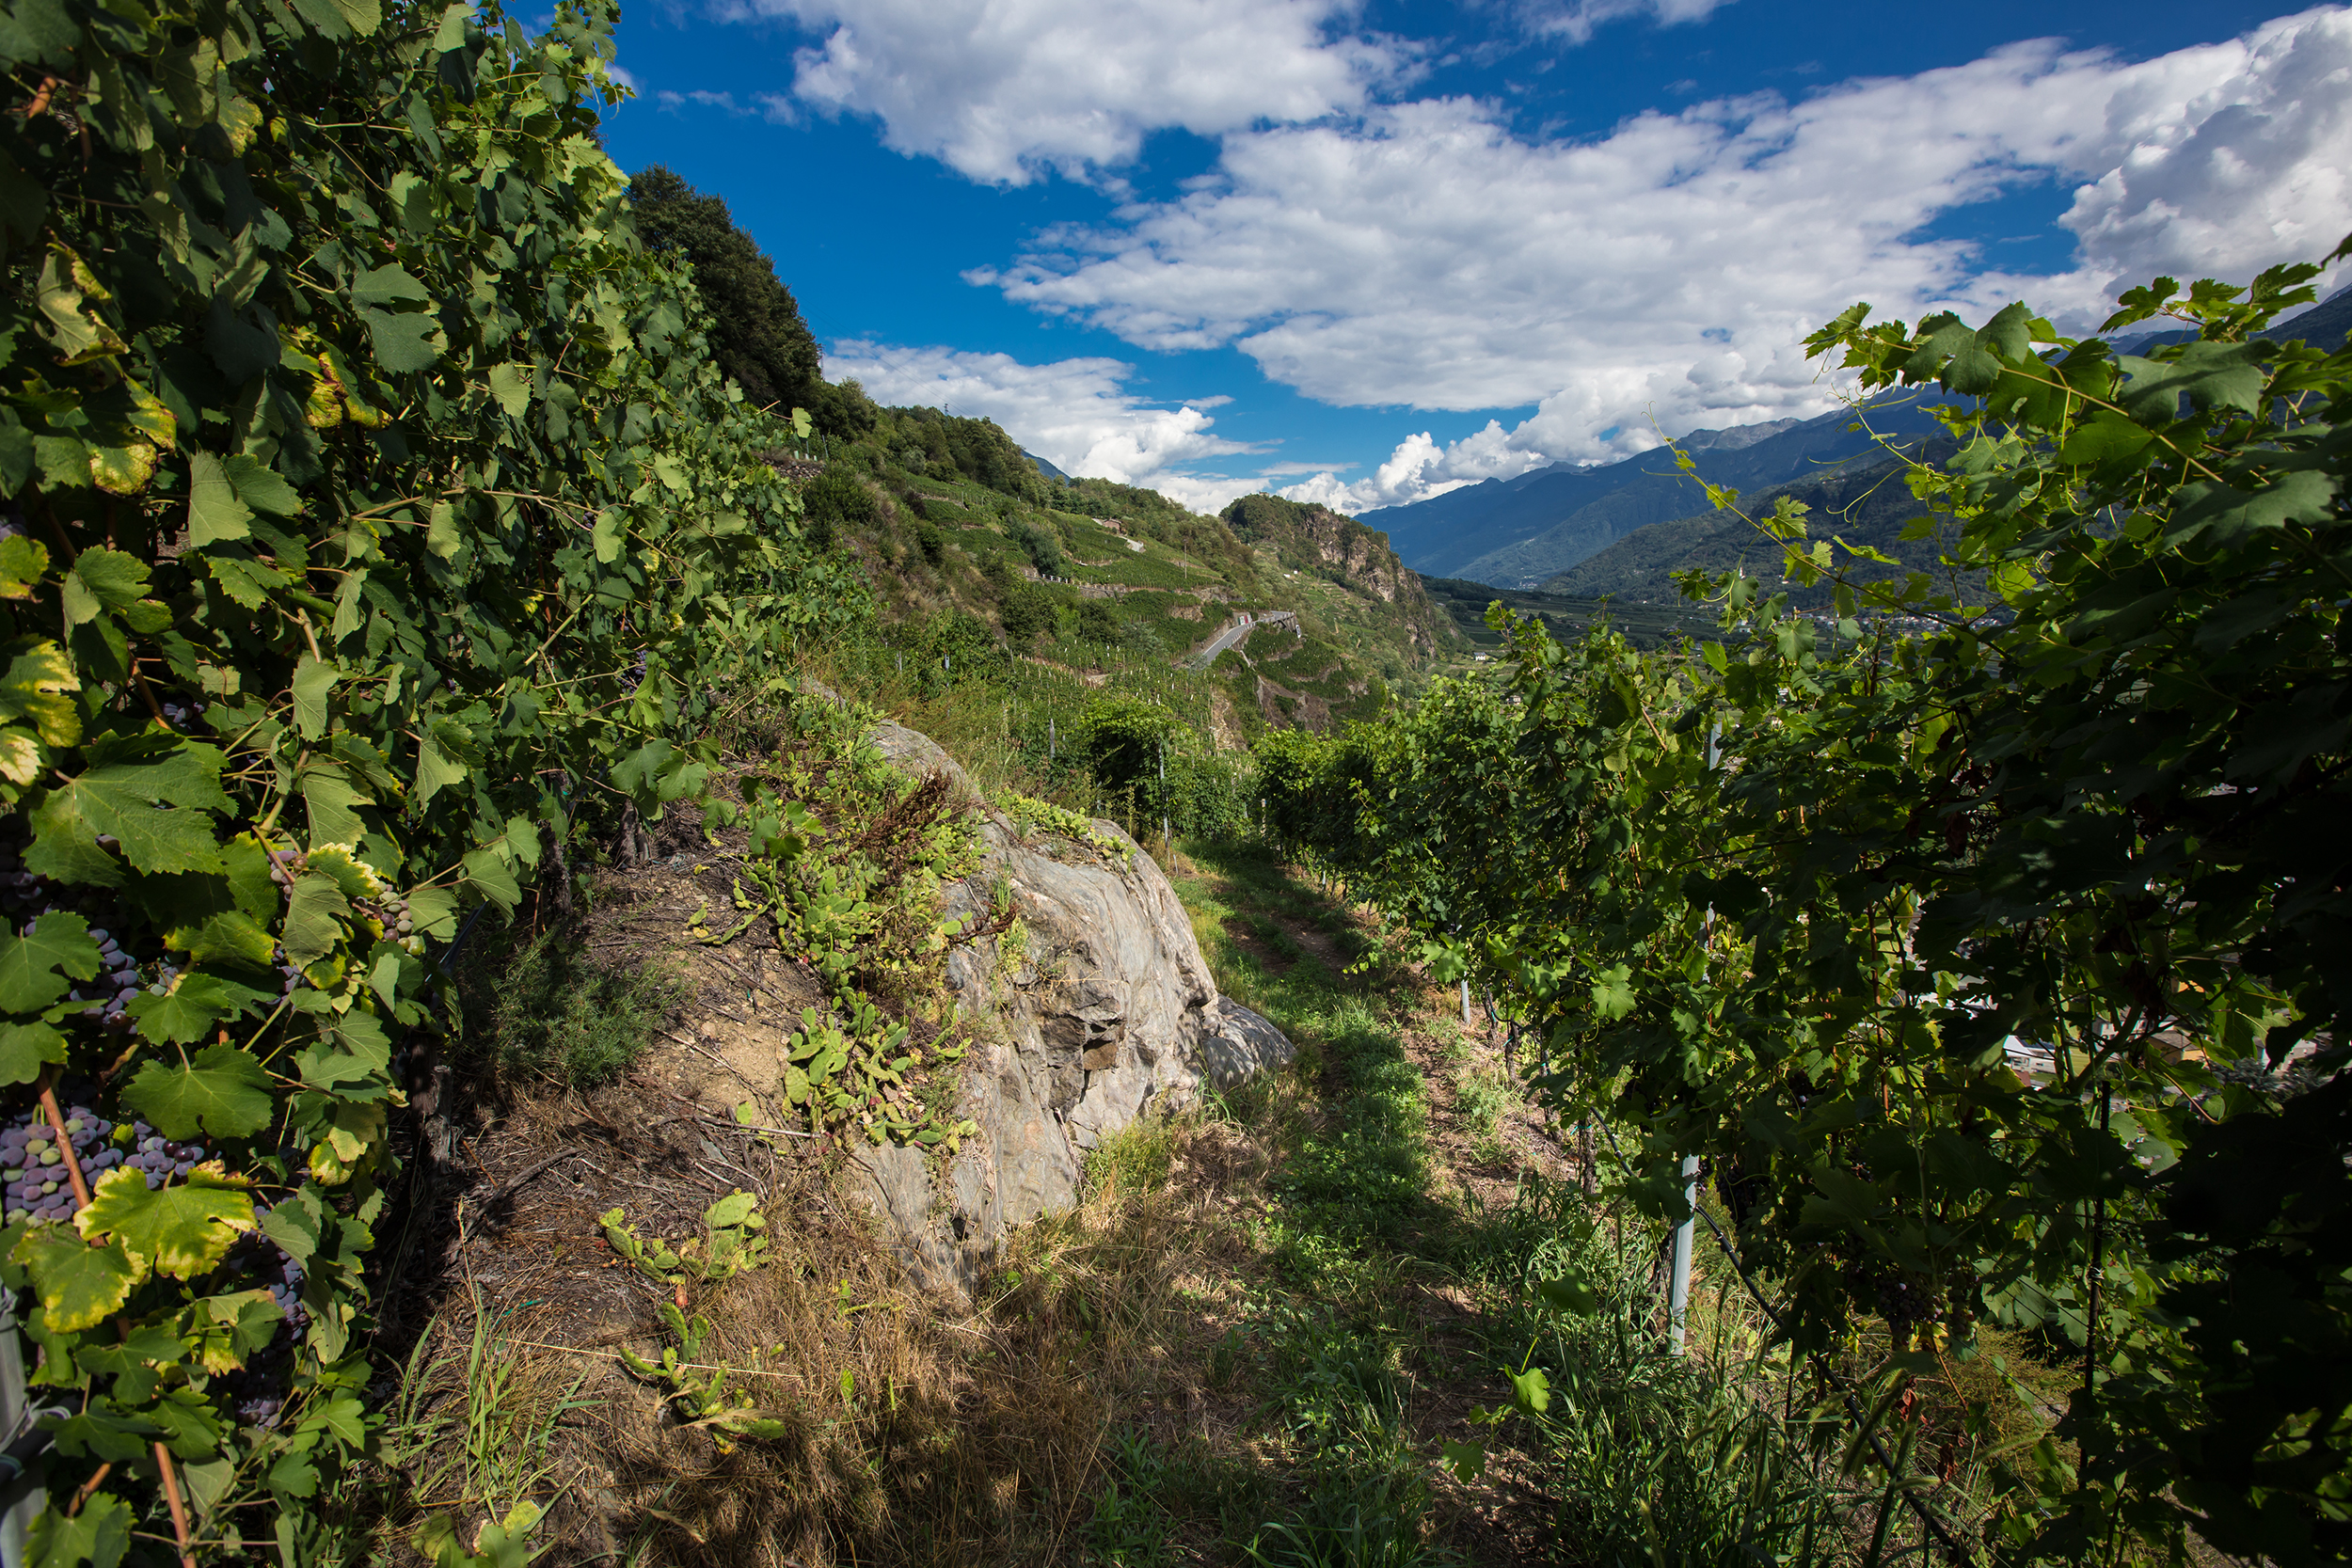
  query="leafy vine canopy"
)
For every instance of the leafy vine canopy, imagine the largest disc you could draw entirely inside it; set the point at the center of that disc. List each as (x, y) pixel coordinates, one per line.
(374, 512)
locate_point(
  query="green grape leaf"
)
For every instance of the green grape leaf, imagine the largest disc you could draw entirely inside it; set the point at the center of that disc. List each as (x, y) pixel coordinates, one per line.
(493, 878)
(314, 915)
(38, 677)
(434, 912)
(36, 970)
(510, 386)
(231, 937)
(403, 343)
(24, 562)
(183, 1228)
(360, 1054)
(314, 679)
(107, 1436)
(223, 1092)
(80, 1286)
(388, 285)
(294, 1225)
(261, 486)
(247, 581)
(25, 1047)
(99, 1535)
(117, 798)
(216, 510)
(188, 1012)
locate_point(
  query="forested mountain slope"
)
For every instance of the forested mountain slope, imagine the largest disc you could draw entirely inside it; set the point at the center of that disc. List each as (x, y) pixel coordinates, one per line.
(1513, 532)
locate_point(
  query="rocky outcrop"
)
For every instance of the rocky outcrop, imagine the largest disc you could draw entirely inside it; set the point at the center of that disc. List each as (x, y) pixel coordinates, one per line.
(1310, 536)
(1094, 1007)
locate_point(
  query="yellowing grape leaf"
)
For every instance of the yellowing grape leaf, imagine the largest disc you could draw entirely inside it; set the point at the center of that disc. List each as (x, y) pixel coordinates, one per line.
(223, 1090)
(182, 1230)
(80, 1286)
(38, 676)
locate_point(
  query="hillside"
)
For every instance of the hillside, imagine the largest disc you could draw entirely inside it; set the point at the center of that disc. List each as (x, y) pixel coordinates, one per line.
(1869, 507)
(1056, 589)
(1647, 625)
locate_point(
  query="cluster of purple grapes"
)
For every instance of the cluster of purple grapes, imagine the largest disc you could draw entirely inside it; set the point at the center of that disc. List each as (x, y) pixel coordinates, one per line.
(32, 1159)
(22, 889)
(119, 980)
(179, 716)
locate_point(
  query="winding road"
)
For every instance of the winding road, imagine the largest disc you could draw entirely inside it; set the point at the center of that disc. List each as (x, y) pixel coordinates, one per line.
(1241, 628)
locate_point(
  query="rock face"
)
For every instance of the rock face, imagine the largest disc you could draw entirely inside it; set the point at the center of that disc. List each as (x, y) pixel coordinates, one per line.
(1103, 1009)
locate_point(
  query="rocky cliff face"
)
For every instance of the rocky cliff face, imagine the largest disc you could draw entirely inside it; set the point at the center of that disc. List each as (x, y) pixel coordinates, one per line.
(1310, 537)
(1105, 1008)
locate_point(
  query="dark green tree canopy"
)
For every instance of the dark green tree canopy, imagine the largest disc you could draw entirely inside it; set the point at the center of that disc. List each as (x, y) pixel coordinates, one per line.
(760, 340)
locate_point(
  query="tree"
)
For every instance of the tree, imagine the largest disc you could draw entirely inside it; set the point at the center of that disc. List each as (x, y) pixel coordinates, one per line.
(760, 341)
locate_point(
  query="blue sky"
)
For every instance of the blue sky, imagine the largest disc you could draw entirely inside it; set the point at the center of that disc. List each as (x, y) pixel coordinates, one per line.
(1365, 253)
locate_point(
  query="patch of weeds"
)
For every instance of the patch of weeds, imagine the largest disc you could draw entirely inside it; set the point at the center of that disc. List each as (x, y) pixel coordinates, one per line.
(1485, 1095)
(1129, 1528)
(543, 1007)
(1135, 1159)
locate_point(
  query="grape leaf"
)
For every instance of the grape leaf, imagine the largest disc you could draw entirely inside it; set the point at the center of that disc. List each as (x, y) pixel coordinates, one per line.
(117, 798)
(80, 1286)
(261, 486)
(112, 577)
(98, 1535)
(29, 965)
(359, 1054)
(314, 916)
(38, 676)
(224, 1090)
(23, 1047)
(23, 564)
(314, 678)
(216, 510)
(492, 877)
(294, 1225)
(404, 343)
(183, 1228)
(188, 1012)
(231, 937)
(434, 912)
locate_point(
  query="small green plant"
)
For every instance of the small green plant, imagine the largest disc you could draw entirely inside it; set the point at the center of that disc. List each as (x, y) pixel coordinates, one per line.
(733, 1244)
(504, 1545)
(1032, 815)
(700, 1390)
(857, 1067)
(547, 1009)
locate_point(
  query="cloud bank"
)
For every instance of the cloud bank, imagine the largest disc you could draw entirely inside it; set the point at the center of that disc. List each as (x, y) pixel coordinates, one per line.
(1007, 91)
(1426, 253)
(1423, 254)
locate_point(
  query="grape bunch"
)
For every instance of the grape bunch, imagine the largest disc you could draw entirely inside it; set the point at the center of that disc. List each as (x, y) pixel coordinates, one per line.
(20, 890)
(119, 980)
(32, 1160)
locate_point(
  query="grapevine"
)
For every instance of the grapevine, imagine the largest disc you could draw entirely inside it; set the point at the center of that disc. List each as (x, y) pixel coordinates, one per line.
(373, 520)
(1993, 971)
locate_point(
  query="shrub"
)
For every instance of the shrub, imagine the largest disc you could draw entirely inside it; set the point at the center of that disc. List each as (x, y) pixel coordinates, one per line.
(837, 498)
(1042, 548)
(1098, 621)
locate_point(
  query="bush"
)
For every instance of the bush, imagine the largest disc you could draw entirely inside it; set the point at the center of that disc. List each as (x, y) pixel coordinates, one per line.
(836, 499)
(932, 542)
(1098, 621)
(1042, 548)
(545, 1009)
(1027, 613)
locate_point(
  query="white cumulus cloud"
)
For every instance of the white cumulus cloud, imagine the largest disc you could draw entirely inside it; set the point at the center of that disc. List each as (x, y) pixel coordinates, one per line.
(1005, 91)
(1425, 254)
(1076, 414)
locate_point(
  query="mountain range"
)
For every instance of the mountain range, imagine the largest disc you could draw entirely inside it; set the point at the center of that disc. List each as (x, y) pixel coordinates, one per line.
(1531, 530)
